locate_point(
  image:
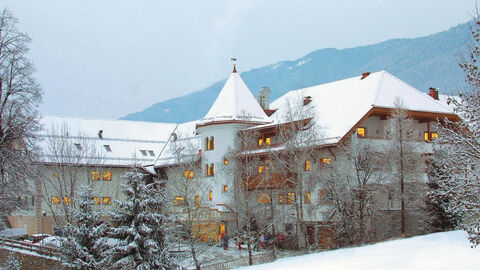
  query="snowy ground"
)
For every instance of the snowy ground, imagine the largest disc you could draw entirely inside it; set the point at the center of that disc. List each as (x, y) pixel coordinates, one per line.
(439, 251)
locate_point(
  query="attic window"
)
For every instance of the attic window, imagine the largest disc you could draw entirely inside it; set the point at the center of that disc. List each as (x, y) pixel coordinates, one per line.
(307, 100)
(361, 132)
(107, 147)
(78, 146)
(151, 153)
(144, 152)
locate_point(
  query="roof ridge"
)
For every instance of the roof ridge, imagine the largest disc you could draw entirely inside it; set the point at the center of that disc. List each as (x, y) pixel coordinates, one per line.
(378, 86)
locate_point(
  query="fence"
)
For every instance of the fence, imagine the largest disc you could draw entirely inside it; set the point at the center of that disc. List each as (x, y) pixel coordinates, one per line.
(40, 250)
(257, 259)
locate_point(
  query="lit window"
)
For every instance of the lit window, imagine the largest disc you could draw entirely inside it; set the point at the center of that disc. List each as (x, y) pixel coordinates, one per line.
(260, 141)
(308, 197)
(207, 169)
(178, 201)
(107, 176)
(323, 197)
(210, 169)
(433, 135)
(225, 188)
(95, 176)
(210, 196)
(78, 146)
(107, 200)
(287, 199)
(361, 132)
(55, 200)
(262, 169)
(207, 143)
(96, 200)
(67, 200)
(144, 152)
(213, 169)
(268, 140)
(107, 147)
(225, 161)
(151, 153)
(264, 198)
(188, 174)
(212, 143)
(55, 175)
(307, 165)
(326, 160)
(197, 200)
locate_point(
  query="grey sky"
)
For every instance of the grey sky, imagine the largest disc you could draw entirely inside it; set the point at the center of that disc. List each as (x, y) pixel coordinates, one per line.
(108, 58)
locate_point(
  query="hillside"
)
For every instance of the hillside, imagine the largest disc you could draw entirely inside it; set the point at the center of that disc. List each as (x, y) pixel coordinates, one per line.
(438, 251)
(422, 62)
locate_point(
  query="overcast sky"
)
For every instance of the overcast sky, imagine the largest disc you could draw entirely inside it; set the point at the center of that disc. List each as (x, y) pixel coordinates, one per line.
(109, 58)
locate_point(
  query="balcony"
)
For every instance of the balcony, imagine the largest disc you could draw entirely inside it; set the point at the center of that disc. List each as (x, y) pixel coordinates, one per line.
(269, 181)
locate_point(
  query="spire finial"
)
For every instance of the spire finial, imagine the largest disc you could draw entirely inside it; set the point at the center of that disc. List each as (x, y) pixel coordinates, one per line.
(234, 64)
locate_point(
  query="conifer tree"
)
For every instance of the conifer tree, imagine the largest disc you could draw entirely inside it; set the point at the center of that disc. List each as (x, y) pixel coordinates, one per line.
(141, 234)
(83, 246)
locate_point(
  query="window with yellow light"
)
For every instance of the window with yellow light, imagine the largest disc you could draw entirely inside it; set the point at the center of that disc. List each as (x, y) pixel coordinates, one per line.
(361, 132)
(178, 201)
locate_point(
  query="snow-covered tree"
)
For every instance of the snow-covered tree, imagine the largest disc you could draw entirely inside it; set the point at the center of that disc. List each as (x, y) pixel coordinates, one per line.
(141, 233)
(406, 163)
(11, 263)
(353, 181)
(20, 95)
(83, 247)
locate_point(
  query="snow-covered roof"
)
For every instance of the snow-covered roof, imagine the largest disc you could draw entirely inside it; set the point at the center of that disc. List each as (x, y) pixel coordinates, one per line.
(102, 141)
(235, 102)
(338, 106)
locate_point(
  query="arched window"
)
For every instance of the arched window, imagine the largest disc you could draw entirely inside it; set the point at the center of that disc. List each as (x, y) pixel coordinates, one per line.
(212, 143)
(207, 143)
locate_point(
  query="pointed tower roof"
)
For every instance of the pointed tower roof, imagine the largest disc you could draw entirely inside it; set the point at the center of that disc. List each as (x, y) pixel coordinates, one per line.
(235, 103)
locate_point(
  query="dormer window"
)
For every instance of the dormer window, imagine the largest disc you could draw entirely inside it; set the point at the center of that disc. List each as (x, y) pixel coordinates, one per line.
(107, 148)
(144, 152)
(78, 146)
(151, 153)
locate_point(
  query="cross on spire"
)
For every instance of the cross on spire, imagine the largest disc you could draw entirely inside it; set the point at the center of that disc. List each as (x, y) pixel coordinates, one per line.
(234, 60)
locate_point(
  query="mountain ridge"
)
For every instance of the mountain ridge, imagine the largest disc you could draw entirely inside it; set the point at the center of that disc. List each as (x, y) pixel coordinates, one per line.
(422, 62)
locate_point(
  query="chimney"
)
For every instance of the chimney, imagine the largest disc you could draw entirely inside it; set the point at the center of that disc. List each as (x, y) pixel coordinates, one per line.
(433, 92)
(307, 100)
(264, 97)
(364, 75)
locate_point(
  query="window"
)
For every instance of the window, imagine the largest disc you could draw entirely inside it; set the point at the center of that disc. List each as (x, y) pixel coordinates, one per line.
(264, 198)
(268, 141)
(95, 176)
(178, 201)
(210, 196)
(151, 153)
(78, 146)
(433, 135)
(260, 141)
(107, 201)
(308, 197)
(289, 198)
(107, 148)
(55, 175)
(207, 143)
(225, 161)
(188, 174)
(144, 152)
(210, 169)
(67, 200)
(326, 160)
(55, 200)
(225, 188)
(197, 200)
(262, 169)
(307, 165)
(97, 200)
(323, 196)
(107, 176)
(361, 132)
(212, 143)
